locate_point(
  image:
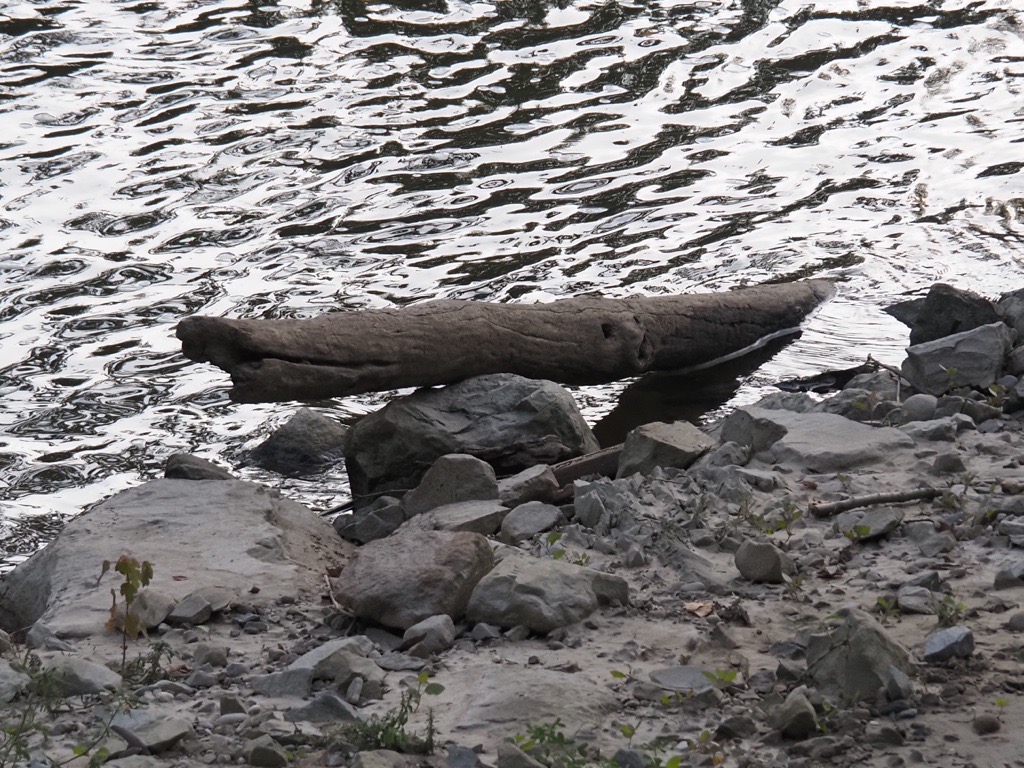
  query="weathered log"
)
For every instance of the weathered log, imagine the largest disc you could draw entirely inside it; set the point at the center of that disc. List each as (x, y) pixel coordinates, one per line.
(584, 340)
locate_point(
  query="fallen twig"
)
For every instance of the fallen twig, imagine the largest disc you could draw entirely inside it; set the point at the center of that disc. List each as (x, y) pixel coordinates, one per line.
(827, 509)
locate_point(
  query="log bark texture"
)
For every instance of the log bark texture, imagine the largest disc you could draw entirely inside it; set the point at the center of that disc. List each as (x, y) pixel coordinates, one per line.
(584, 340)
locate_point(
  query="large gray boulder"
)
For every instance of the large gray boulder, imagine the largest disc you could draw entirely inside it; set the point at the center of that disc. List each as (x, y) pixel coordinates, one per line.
(678, 444)
(853, 660)
(973, 359)
(944, 311)
(218, 533)
(509, 421)
(414, 574)
(307, 443)
(542, 594)
(808, 439)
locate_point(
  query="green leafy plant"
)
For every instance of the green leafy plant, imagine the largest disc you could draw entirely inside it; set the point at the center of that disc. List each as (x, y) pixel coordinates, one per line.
(949, 611)
(857, 533)
(887, 609)
(558, 553)
(548, 744)
(793, 584)
(721, 677)
(388, 731)
(136, 576)
(149, 667)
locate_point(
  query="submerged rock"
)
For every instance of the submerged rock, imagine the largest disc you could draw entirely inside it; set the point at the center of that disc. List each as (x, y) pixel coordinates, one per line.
(307, 443)
(945, 310)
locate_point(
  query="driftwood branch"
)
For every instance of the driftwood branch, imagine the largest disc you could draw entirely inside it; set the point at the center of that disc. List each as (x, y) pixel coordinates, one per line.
(828, 509)
(584, 340)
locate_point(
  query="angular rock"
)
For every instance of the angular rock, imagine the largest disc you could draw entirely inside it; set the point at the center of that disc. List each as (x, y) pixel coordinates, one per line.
(857, 405)
(947, 643)
(194, 609)
(452, 479)
(678, 444)
(796, 718)
(150, 608)
(853, 660)
(12, 681)
(381, 518)
(529, 519)
(74, 676)
(326, 707)
(937, 543)
(538, 483)
(432, 635)
(339, 660)
(1011, 308)
(944, 311)
(483, 517)
(220, 533)
(685, 679)
(866, 525)
(510, 422)
(898, 684)
(264, 752)
(761, 561)
(913, 599)
(807, 439)
(185, 466)
(973, 359)
(162, 734)
(944, 429)
(287, 683)
(542, 594)
(414, 574)
(307, 443)
(1010, 576)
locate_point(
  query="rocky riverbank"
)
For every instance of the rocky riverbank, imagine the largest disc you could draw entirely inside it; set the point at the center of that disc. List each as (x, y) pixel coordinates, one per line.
(807, 582)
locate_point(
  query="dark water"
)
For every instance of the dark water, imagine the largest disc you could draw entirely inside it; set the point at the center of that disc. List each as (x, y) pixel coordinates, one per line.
(163, 158)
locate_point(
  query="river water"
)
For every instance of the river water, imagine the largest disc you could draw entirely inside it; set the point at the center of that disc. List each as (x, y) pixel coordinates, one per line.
(160, 158)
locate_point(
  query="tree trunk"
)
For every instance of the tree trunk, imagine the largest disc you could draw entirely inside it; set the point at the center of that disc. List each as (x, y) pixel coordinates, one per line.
(582, 340)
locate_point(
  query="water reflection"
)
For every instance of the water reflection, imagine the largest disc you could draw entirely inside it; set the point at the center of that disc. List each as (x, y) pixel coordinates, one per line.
(287, 158)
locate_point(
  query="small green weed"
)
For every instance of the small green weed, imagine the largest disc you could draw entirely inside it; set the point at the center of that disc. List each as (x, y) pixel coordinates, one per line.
(388, 731)
(949, 611)
(136, 575)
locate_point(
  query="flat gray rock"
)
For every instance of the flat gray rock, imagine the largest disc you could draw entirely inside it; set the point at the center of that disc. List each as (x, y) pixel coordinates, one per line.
(218, 533)
(537, 483)
(483, 517)
(683, 678)
(661, 444)
(162, 734)
(529, 519)
(866, 525)
(509, 695)
(808, 439)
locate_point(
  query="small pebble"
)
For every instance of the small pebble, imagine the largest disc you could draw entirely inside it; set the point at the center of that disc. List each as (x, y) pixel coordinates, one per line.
(986, 724)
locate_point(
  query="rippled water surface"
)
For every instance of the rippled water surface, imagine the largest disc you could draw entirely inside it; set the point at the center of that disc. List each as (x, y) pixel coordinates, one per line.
(164, 158)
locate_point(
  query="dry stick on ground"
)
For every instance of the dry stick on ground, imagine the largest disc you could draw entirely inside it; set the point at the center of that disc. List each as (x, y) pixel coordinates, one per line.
(827, 509)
